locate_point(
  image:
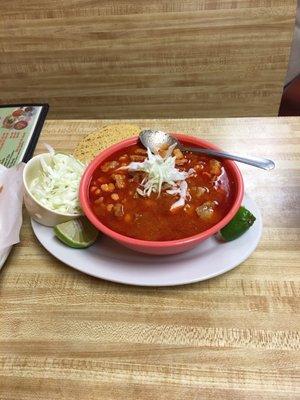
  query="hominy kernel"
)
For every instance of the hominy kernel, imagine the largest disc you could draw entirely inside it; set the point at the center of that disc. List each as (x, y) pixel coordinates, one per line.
(118, 210)
(115, 196)
(109, 165)
(189, 209)
(149, 203)
(93, 188)
(101, 180)
(164, 146)
(100, 200)
(181, 161)
(108, 187)
(215, 167)
(109, 207)
(162, 153)
(141, 151)
(178, 153)
(127, 218)
(97, 192)
(137, 158)
(120, 181)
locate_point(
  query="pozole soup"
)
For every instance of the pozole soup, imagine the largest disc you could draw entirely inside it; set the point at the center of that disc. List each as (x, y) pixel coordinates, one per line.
(160, 197)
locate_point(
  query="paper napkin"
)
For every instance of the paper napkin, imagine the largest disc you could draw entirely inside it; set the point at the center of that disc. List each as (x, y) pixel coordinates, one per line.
(11, 199)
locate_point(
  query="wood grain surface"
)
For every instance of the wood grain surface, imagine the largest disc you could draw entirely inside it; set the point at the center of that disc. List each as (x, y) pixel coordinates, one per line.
(146, 59)
(68, 336)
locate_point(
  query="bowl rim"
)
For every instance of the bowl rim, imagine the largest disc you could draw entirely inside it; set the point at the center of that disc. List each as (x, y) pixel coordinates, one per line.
(189, 139)
(28, 192)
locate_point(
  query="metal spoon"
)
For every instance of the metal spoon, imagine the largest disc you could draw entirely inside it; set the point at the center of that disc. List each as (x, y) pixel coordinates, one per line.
(156, 139)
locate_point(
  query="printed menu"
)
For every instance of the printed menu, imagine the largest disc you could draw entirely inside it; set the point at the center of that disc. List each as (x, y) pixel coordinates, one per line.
(20, 127)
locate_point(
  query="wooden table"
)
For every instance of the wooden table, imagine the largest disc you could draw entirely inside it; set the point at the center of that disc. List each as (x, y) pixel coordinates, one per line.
(65, 335)
(146, 59)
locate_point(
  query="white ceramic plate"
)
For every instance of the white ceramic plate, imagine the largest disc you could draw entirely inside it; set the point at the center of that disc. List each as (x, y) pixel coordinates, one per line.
(108, 260)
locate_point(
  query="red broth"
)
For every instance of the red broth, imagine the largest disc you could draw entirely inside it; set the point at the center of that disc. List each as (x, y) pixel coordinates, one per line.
(117, 204)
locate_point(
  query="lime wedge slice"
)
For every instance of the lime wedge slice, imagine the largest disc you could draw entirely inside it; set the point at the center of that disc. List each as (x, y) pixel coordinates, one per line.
(77, 233)
(240, 223)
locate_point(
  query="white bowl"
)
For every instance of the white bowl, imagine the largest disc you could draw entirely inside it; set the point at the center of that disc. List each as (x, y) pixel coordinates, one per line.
(36, 210)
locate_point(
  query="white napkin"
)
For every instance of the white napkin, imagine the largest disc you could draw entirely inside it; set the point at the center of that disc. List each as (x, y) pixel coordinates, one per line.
(11, 198)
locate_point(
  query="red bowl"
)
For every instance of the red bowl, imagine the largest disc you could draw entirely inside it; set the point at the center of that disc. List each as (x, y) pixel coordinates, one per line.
(159, 247)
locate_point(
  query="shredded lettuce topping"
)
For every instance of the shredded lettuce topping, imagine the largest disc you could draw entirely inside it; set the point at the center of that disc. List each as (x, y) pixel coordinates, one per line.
(56, 187)
(162, 172)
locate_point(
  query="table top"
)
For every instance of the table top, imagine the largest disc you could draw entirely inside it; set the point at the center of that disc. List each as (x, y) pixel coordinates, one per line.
(65, 335)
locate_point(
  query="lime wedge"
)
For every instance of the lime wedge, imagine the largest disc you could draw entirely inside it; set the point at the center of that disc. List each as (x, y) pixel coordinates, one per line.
(240, 223)
(77, 233)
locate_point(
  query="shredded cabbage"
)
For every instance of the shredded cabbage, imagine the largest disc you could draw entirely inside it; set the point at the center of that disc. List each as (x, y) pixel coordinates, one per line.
(56, 187)
(161, 170)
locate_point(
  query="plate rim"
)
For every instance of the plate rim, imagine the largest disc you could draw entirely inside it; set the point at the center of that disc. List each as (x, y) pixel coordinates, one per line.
(166, 284)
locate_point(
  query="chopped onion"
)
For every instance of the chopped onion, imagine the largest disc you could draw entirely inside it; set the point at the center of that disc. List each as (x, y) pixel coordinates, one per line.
(56, 187)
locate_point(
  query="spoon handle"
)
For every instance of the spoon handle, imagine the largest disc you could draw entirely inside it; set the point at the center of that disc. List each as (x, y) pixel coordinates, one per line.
(263, 163)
